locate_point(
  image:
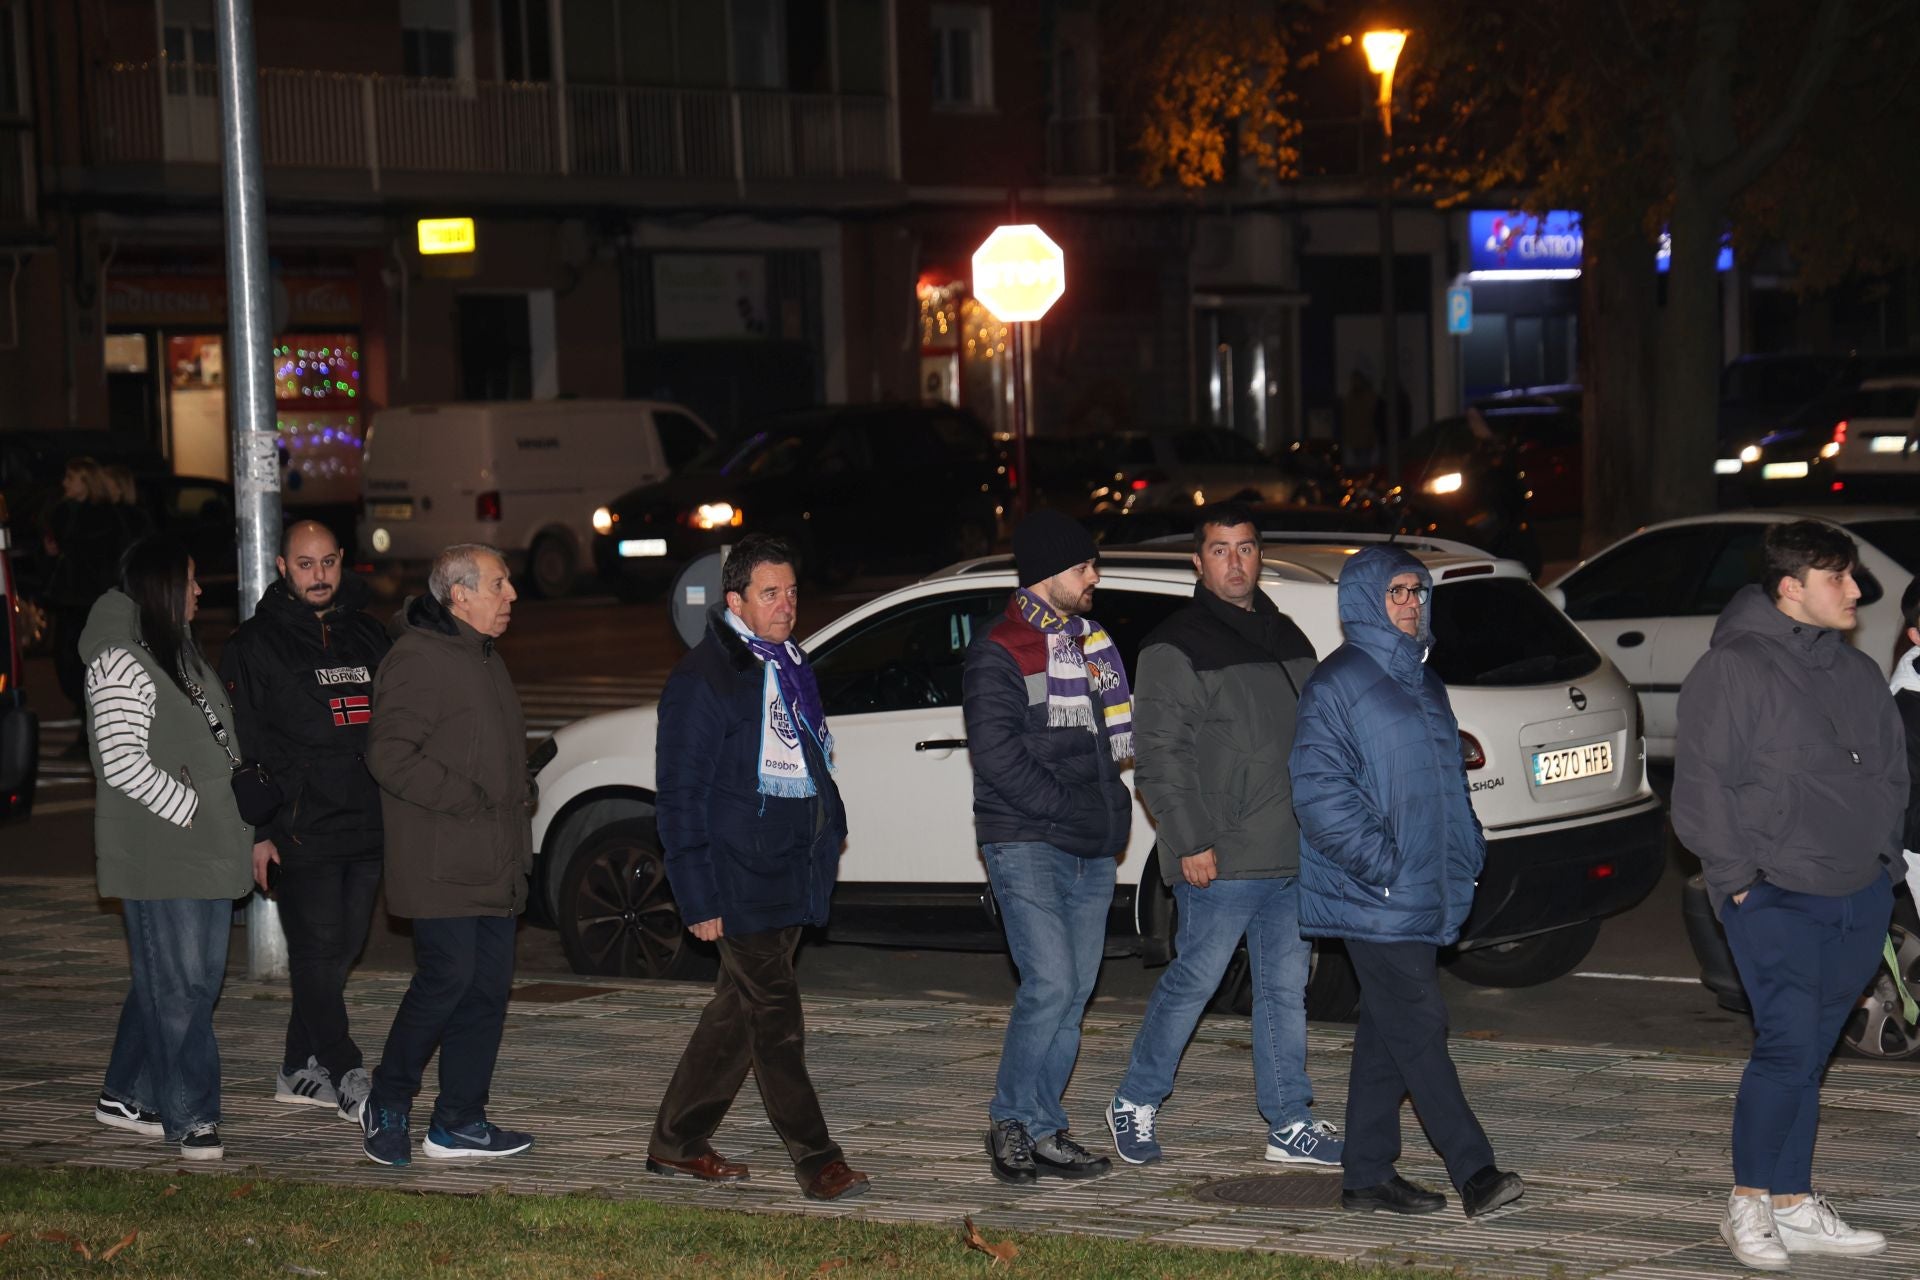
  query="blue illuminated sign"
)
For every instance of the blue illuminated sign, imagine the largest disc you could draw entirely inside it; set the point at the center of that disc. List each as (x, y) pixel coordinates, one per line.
(1505, 240)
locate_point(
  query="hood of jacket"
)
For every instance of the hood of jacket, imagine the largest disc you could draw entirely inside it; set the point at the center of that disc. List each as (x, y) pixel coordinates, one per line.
(115, 620)
(279, 603)
(1906, 673)
(1363, 611)
(428, 616)
(1752, 612)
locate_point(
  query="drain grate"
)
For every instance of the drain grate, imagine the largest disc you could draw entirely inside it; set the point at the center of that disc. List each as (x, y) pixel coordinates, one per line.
(1274, 1191)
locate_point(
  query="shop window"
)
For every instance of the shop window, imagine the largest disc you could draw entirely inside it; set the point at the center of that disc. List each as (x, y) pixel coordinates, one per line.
(962, 72)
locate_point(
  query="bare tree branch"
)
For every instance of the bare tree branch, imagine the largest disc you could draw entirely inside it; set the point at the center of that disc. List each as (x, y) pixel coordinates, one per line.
(1825, 45)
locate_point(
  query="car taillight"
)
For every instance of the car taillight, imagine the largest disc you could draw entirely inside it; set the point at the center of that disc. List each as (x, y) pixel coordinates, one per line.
(1600, 871)
(1146, 478)
(1470, 753)
(487, 505)
(1840, 431)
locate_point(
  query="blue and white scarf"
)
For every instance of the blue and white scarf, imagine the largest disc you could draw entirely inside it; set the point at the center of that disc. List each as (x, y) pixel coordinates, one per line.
(790, 706)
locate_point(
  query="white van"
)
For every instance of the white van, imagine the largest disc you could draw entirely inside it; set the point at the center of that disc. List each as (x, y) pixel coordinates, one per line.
(521, 475)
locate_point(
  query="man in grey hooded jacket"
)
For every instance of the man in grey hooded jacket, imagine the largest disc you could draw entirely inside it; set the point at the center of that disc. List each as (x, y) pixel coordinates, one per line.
(1790, 785)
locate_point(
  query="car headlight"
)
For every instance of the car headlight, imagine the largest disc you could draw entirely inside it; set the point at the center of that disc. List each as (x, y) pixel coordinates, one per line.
(1750, 454)
(716, 515)
(382, 541)
(604, 520)
(1446, 482)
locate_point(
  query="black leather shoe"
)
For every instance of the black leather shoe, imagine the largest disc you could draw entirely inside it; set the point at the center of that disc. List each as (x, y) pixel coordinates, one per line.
(1395, 1195)
(1011, 1149)
(1489, 1189)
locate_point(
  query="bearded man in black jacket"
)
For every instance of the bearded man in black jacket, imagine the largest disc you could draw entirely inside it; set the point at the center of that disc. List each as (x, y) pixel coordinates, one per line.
(300, 674)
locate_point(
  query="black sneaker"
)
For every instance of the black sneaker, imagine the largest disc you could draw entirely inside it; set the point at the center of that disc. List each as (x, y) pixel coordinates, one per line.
(385, 1137)
(1011, 1147)
(1059, 1156)
(116, 1114)
(202, 1143)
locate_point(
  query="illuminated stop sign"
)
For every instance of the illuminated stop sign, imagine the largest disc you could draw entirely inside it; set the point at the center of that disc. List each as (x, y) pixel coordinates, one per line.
(1018, 272)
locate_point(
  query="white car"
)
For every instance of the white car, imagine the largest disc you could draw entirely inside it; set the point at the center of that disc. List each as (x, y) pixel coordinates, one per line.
(1549, 729)
(1651, 600)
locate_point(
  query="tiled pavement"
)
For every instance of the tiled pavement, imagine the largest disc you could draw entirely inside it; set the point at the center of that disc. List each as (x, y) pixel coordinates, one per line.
(1625, 1152)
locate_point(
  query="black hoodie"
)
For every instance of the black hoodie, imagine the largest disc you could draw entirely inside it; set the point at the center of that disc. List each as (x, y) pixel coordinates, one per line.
(1790, 764)
(302, 690)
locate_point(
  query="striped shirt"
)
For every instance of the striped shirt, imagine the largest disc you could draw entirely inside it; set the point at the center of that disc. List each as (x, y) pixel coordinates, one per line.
(120, 699)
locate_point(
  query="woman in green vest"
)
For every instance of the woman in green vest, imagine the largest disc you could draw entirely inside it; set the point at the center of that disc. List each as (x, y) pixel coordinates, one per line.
(168, 842)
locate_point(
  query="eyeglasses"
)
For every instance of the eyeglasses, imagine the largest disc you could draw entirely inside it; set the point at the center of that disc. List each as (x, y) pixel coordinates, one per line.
(1400, 594)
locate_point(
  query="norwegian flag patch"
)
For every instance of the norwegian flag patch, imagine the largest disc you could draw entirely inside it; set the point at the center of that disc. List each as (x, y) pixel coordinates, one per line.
(348, 711)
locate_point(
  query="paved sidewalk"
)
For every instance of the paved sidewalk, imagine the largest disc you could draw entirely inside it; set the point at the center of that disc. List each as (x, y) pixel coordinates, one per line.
(1625, 1152)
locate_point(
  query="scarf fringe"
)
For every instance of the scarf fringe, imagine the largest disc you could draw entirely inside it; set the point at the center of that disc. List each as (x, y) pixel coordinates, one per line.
(1122, 744)
(1070, 715)
(787, 788)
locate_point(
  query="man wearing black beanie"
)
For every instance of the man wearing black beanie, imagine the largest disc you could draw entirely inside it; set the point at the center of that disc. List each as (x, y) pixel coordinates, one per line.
(1049, 725)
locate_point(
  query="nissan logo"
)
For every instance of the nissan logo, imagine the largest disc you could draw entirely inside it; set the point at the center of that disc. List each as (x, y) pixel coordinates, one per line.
(1577, 698)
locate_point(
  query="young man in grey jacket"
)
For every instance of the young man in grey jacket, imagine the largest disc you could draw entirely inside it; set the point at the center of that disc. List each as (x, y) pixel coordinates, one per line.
(1790, 785)
(1219, 686)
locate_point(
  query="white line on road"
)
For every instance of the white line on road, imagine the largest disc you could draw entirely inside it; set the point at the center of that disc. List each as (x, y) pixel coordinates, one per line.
(1636, 977)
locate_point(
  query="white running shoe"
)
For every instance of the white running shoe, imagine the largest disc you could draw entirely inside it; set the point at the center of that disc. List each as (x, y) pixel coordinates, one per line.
(1813, 1227)
(310, 1085)
(1749, 1232)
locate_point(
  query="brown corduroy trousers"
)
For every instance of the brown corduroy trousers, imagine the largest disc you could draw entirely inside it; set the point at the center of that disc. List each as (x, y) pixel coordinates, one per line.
(753, 1021)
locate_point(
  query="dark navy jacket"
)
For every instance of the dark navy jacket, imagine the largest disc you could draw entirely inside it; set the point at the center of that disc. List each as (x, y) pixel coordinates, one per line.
(1031, 780)
(1389, 845)
(756, 862)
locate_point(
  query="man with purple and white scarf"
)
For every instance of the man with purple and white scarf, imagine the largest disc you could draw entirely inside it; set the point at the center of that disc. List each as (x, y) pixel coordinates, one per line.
(1049, 727)
(752, 825)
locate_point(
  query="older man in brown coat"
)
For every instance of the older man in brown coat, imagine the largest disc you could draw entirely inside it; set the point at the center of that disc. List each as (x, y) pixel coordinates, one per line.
(448, 748)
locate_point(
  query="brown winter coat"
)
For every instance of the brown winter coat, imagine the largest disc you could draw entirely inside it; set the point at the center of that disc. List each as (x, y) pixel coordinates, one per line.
(449, 750)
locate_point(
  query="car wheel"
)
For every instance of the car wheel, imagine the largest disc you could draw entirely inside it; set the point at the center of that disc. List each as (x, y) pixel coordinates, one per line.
(1527, 962)
(617, 914)
(550, 567)
(1879, 1028)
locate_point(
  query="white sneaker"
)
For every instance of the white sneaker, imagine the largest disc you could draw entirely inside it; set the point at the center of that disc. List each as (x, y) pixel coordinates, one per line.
(1813, 1227)
(310, 1085)
(1749, 1232)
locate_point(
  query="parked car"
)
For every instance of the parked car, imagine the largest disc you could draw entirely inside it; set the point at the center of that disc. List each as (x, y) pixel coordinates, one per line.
(857, 486)
(1862, 443)
(1190, 467)
(525, 476)
(1517, 448)
(1527, 686)
(1650, 601)
(1760, 395)
(19, 728)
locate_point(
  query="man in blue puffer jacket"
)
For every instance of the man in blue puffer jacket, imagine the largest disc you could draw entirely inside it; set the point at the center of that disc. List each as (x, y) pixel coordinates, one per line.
(1389, 848)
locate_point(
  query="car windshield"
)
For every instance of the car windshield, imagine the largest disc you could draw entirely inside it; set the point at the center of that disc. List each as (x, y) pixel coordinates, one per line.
(761, 456)
(1899, 537)
(1501, 632)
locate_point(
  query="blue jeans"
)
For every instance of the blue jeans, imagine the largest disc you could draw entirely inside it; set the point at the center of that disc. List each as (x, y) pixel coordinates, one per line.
(164, 1056)
(1054, 907)
(1804, 959)
(1212, 922)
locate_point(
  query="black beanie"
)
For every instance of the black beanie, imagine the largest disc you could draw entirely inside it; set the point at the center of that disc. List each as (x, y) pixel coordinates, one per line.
(1047, 543)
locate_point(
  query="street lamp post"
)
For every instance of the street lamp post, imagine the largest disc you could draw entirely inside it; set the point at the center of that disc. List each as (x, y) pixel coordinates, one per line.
(1382, 49)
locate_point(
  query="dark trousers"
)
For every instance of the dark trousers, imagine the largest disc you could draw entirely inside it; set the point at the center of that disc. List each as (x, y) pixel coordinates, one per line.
(326, 908)
(457, 1002)
(1400, 1047)
(753, 1020)
(1804, 959)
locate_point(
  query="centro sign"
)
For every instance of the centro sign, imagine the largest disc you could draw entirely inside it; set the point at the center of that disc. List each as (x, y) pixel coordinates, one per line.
(1506, 241)
(1018, 273)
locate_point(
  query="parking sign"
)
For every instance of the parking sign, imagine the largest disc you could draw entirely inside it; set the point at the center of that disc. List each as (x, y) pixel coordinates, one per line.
(1460, 309)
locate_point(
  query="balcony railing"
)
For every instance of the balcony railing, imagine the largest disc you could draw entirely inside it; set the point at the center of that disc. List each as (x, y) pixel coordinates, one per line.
(159, 113)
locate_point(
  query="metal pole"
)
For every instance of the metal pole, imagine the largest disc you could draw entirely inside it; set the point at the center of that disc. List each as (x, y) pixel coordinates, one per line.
(1389, 344)
(249, 362)
(1021, 352)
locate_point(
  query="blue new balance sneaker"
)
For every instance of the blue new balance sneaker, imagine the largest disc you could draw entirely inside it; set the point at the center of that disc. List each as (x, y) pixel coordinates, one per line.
(480, 1140)
(1131, 1124)
(386, 1140)
(1306, 1142)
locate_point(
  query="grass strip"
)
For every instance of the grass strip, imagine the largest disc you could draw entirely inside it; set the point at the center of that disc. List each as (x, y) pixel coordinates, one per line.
(69, 1221)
